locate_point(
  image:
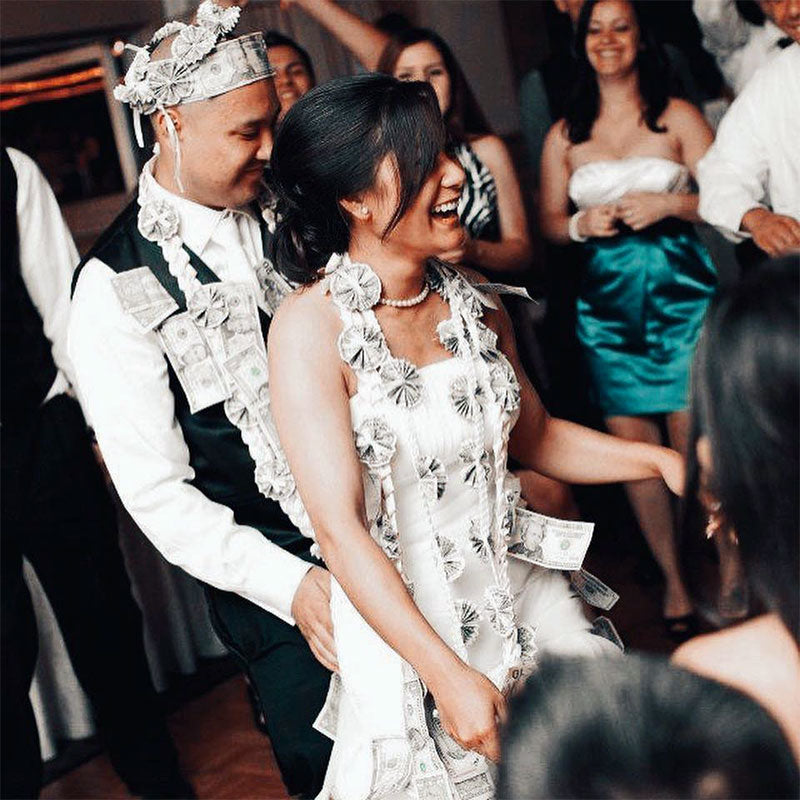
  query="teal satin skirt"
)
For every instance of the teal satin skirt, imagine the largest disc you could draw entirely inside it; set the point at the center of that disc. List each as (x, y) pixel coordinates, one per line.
(640, 309)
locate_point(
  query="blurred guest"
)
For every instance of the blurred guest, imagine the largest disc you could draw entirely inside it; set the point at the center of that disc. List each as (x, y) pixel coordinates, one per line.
(491, 208)
(750, 178)
(743, 35)
(745, 471)
(294, 72)
(544, 92)
(56, 512)
(639, 728)
(624, 154)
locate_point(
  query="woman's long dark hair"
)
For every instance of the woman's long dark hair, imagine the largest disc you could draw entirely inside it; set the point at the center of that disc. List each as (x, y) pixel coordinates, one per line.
(746, 400)
(463, 117)
(651, 66)
(330, 146)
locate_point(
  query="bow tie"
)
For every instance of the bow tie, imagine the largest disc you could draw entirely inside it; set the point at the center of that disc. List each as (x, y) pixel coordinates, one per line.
(784, 42)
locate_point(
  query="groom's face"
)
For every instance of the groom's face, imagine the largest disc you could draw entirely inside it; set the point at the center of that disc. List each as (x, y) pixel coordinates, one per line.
(225, 144)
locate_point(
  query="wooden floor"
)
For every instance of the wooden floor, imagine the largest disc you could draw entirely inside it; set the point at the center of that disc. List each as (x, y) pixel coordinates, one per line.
(226, 757)
(222, 753)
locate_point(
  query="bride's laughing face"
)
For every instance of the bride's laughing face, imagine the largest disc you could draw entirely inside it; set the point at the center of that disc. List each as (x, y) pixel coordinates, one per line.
(431, 224)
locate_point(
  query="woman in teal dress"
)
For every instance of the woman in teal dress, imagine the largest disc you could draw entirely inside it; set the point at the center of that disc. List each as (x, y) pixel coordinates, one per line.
(622, 161)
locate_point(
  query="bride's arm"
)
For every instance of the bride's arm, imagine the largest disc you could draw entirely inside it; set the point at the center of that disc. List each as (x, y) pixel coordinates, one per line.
(573, 453)
(310, 405)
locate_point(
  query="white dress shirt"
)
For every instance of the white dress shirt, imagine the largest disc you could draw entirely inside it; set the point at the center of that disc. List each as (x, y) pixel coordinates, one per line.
(47, 258)
(739, 47)
(755, 159)
(123, 379)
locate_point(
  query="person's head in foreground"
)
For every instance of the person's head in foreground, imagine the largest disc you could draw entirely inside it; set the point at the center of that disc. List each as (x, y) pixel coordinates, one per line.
(420, 54)
(294, 72)
(639, 728)
(360, 161)
(212, 104)
(744, 449)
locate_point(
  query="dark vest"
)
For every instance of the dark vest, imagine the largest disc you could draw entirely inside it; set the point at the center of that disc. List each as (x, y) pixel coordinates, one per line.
(27, 369)
(224, 470)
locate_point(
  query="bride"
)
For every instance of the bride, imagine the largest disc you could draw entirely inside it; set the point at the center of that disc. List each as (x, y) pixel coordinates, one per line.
(397, 395)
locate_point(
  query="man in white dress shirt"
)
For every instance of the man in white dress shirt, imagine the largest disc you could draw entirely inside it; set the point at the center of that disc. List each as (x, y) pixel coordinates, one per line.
(742, 37)
(750, 177)
(169, 319)
(57, 513)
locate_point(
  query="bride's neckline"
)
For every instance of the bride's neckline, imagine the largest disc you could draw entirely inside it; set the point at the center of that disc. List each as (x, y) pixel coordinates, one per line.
(626, 160)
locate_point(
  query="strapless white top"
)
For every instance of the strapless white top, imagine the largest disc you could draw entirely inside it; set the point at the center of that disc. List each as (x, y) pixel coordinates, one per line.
(608, 180)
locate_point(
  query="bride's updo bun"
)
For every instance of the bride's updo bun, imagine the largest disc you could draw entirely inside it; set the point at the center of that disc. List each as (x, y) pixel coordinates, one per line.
(330, 146)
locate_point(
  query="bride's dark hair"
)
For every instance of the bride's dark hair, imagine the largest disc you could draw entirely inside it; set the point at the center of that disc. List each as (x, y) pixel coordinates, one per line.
(330, 146)
(651, 66)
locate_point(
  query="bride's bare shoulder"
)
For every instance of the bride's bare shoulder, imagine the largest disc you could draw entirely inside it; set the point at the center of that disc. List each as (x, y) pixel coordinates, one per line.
(305, 319)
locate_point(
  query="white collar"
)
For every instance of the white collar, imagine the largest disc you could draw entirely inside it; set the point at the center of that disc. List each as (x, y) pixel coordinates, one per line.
(196, 222)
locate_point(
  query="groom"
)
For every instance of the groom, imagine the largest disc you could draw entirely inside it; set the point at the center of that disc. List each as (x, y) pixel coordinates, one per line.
(169, 318)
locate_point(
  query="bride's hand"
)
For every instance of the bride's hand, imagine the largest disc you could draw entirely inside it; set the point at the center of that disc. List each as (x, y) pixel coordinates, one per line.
(469, 708)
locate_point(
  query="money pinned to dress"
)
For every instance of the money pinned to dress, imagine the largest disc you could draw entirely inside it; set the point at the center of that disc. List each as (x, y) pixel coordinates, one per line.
(549, 542)
(593, 590)
(328, 718)
(604, 627)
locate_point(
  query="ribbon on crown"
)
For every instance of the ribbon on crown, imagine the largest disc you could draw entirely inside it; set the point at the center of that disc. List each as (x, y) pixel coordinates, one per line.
(203, 65)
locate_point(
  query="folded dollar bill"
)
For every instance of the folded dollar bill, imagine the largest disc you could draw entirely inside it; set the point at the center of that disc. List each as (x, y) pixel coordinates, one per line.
(604, 627)
(593, 590)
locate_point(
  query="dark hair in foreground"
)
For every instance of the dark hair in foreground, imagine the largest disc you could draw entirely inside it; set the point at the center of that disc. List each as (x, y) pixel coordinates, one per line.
(745, 398)
(464, 116)
(330, 146)
(651, 66)
(636, 727)
(277, 39)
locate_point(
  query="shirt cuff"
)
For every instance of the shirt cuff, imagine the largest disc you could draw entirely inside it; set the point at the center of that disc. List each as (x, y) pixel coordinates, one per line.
(280, 573)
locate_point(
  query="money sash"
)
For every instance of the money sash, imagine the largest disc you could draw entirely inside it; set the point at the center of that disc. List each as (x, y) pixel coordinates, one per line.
(142, 296)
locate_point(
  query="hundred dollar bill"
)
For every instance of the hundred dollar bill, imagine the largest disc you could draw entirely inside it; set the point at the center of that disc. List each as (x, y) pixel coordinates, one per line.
(593, 590)
(549, 542)
(143, 297)
(604, 627)
(327, 719)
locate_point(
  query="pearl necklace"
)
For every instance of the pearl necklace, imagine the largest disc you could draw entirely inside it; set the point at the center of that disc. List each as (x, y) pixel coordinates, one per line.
(411, 301)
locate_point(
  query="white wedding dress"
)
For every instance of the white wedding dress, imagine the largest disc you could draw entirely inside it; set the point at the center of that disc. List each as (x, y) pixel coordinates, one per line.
(433, 442)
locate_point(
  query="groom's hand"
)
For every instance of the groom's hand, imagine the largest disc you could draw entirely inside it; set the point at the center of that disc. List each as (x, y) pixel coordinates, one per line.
(311, 609)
